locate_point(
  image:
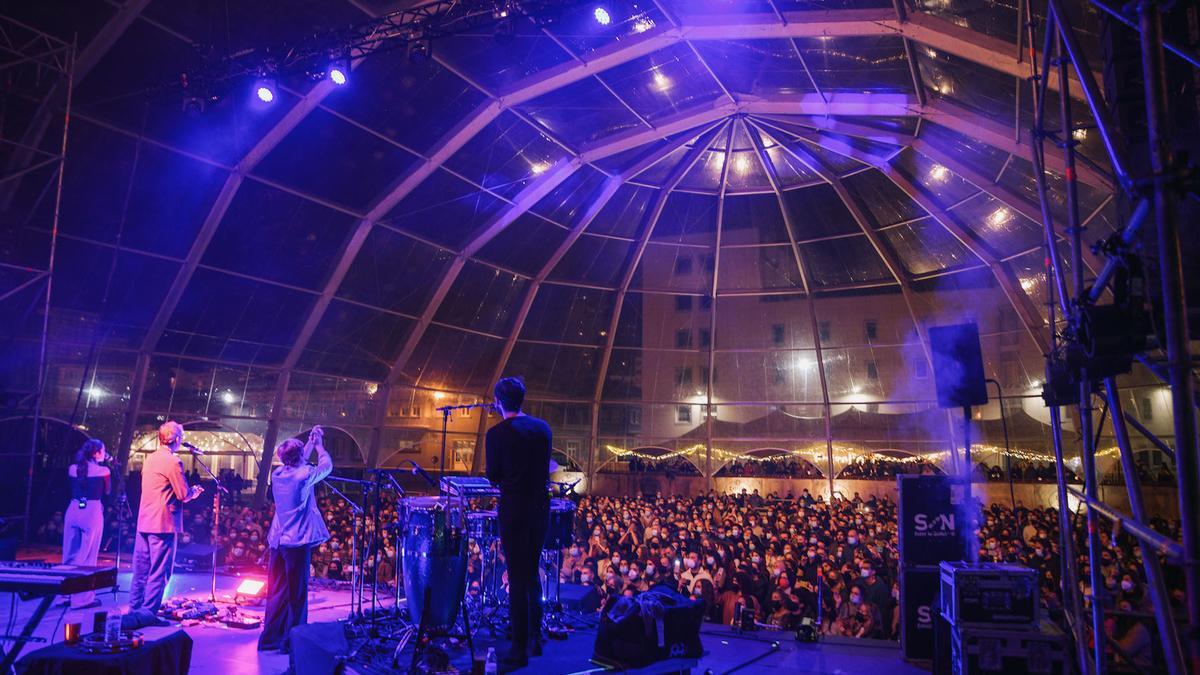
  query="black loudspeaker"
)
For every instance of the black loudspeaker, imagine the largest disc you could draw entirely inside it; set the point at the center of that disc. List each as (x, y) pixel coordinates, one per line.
(943, 641)
(958, 365)
(918, 609)
(579, 598)
(319, 648)
(194, 557)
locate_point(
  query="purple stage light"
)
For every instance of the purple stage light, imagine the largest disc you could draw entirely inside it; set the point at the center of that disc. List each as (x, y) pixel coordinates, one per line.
(337, 75)
(602, 16)
(264, 92)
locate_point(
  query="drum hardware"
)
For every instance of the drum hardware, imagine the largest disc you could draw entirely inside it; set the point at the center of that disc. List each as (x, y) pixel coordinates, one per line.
(446, 411)
(356, 511)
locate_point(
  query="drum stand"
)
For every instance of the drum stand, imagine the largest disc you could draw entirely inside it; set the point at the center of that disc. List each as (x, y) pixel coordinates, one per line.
(552, 606)
(426, 633)
(488, 610)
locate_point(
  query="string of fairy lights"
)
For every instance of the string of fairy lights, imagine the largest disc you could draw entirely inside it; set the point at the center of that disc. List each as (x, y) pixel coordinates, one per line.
(841, 454)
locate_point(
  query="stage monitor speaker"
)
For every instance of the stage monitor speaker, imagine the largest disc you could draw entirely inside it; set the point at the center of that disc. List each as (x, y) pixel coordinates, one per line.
(319, 648)
(918, 609)
(579, 598)
(957, 365)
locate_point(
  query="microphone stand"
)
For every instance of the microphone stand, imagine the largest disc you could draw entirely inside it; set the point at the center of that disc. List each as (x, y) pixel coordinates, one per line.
(356, 510)
(401, 494)
(216, 528)
(122, 510)
(446, 410)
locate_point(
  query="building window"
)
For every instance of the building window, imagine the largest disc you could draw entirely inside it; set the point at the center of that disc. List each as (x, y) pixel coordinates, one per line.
(872, 371)
(824, 331)
(777, 334)
(1147, 410)
(683, 376)
(683, 339)
(777, 375)
(683, 303)
(683, 266)
(706, 302)
(573, 449)
(683, 414)
(635, 418)
(871, 329)
(705, 337)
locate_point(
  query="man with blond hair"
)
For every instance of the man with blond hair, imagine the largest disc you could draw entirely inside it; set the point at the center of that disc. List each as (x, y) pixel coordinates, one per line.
(295, 530)
(160, 518)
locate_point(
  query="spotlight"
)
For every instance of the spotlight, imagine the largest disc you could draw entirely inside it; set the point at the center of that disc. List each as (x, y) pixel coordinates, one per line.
(228, 398)
(938, 173)
(264, 90)
(602, 16)
(539, 168)
(999, 217)
(95, 392)
(661, 82)
(642, 24)
(338, 74)
(250, 587)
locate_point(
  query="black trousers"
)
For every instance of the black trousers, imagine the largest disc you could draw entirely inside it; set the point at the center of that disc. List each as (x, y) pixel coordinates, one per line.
(522, 532)
(287, 594)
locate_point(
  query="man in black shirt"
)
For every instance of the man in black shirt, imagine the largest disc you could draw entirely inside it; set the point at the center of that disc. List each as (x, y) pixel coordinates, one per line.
(518, 461)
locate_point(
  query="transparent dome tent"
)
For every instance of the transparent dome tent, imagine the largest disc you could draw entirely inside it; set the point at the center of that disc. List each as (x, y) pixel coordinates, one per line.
(703, 230)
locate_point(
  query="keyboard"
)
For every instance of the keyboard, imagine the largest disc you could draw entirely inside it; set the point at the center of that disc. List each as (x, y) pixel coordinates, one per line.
(41, 579)
(470, 487)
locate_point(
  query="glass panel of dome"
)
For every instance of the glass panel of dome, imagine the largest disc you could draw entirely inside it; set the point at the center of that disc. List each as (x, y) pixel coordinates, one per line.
(895, 431)
(1011, 358)
(924, 246)
(790, 171)
(221, 316)
(873, 375)
(976, 155)
(1000, 227)
(581, 112)
(946, 188)
(355, 167)
(572, 197)
(756, 67)
(960, 297)
(817, 212)
(687, 219)
(980, 88)
(758, 268)
(705, 175)
(663, 83)
(167, 188)
(394, 272)
(838, 163)
(225, 132)
(593, 260)
(752, 377)
(655, 375)
(1019, 177)
(872, 317)
(482, 298)
(506, 155)
(95, 212)
(391, 95)
(752, 219)
(886, 203)
(667, 267)
(278, 236)
(444, 209)
(453, 360)
(664, 321)
(351, 340)
(796, 426)
(872, 147)
(746, 172)
(843, 262)
(763, 322)
(501, 61)
(555, 371)
(116, 303)
(525, 245)
(996, 20)
(623, 214)
(656, 174)
(857, 63)
(703, 7)
(582, 31)
(569, 314)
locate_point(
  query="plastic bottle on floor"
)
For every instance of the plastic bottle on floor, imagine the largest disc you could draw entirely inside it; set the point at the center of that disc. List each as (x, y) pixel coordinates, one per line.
(491, 666)
(112, 626)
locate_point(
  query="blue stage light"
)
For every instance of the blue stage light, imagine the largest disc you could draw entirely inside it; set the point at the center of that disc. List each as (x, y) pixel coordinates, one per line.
(602, 16)
(264, 90)
(337, 75)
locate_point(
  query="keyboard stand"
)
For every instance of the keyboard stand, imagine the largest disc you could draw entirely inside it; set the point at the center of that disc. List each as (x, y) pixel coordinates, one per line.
(10, 658)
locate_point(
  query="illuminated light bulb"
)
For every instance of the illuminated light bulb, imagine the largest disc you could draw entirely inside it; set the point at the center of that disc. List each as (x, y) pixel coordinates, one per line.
(741, 165)
(371, 388)
(95, 392)
(1079, 134)
(999, 217)
(661, 82)
(939, 173)
(642, 24)
(602, 16)
(227, 397)
(438, 395)
(1028, 284)
(539, 168)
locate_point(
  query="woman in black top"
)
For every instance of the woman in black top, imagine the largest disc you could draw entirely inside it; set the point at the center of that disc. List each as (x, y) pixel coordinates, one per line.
(83, 522)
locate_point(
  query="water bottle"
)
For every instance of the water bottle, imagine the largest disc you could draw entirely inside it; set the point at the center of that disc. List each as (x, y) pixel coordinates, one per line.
(112, 627)
(491, 666)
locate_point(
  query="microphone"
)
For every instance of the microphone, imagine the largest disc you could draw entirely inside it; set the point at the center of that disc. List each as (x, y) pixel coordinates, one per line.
(416, 469)
(192, 448)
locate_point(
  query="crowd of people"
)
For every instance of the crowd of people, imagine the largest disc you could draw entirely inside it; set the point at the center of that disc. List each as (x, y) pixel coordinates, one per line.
(878, 468)
(783, 558)
(773, 468)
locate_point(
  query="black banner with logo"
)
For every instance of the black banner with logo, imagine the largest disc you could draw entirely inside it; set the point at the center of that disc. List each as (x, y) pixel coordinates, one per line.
(932, 521)
(919, 588)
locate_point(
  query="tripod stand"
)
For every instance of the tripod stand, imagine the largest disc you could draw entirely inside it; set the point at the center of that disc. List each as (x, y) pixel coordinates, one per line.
(216, 528)
(356, 511)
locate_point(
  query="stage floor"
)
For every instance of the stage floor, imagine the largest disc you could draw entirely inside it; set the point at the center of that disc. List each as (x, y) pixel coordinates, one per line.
(219, 650)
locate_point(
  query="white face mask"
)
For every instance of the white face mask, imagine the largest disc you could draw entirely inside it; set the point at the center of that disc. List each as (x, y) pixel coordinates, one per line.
(585, 578)
(1127, 586)
(689, 563)
(650, 570)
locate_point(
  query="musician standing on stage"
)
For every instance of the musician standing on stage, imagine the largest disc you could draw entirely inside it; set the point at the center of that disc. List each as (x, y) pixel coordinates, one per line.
(160, 518)
(295, 530)
(83, 524)
(518, 461)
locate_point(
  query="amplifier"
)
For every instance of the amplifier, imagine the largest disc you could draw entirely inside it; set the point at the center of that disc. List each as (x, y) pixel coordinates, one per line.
(994, 595)
(1041, 650)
